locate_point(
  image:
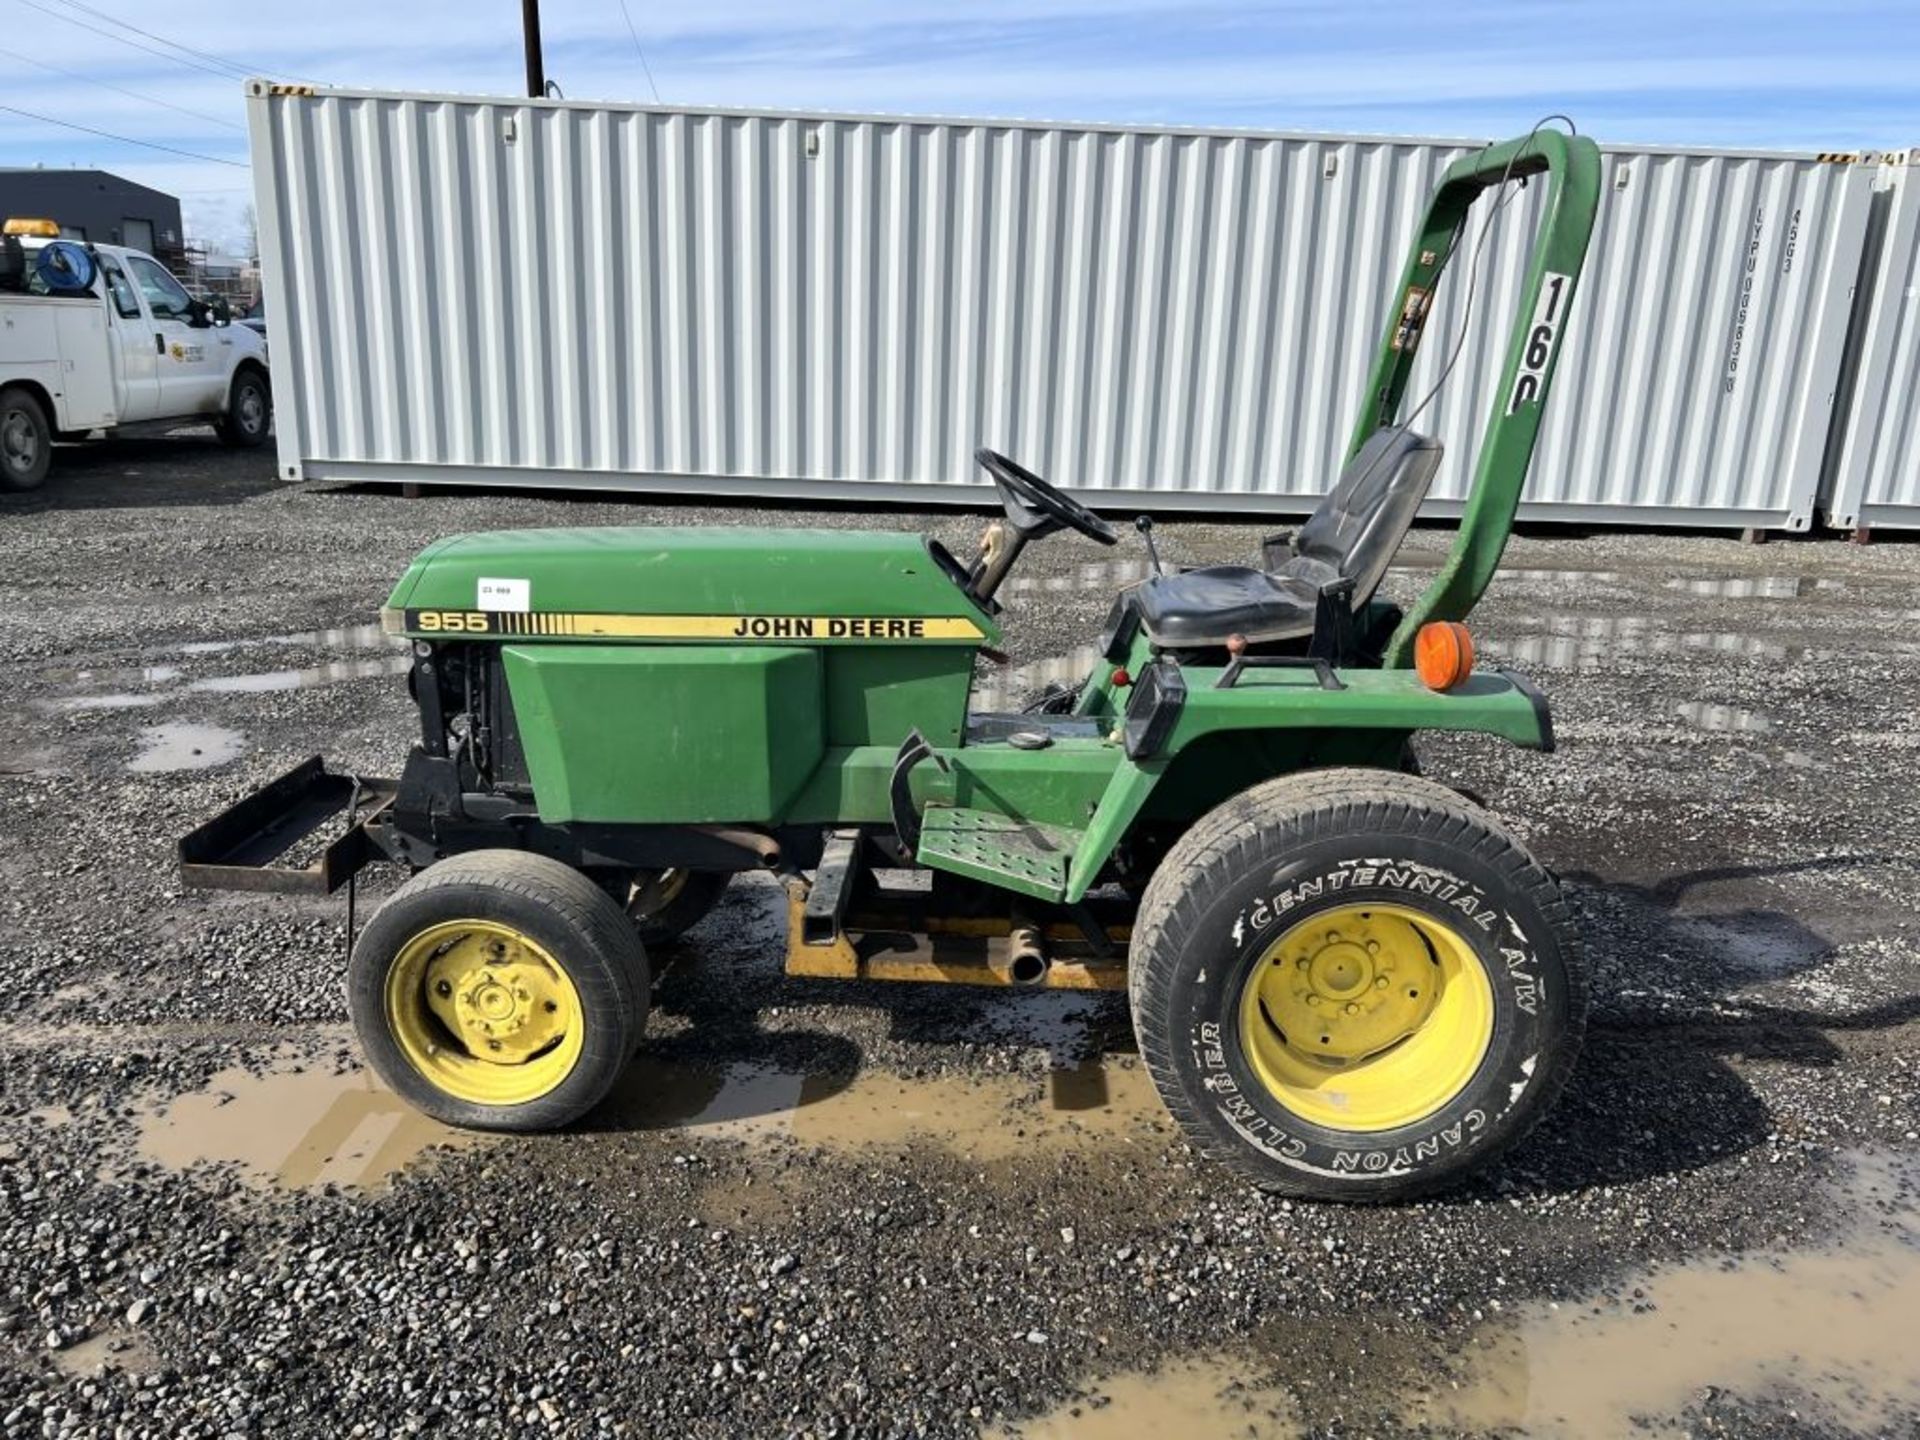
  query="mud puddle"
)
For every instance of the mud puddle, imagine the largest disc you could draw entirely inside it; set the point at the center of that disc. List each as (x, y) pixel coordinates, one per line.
(1096, 577)
(1197, 1399)
(166, 677)
(988, 1119)
(345, 637)
(1758, 587)
(115, 1350)
(168, 748)
(1585, 642)
(293, 1128)
(1008, 688)
(1827, 1331)
(1724, 719)
(311, 677)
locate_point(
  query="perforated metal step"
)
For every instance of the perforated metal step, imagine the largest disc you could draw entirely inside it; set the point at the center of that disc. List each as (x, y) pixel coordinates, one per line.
(1013, 854)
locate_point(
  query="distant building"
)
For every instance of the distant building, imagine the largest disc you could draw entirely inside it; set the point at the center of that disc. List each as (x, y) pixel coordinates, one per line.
(98, 206)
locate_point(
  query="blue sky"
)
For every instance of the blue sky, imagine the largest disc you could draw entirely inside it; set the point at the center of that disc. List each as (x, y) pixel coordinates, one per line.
(1755, 73)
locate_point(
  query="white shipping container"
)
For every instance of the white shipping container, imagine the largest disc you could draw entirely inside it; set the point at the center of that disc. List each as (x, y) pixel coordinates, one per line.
(1878, 480)
(747, 303)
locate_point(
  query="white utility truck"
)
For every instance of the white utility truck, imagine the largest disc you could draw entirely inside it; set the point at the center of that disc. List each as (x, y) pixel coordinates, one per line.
(100, 337)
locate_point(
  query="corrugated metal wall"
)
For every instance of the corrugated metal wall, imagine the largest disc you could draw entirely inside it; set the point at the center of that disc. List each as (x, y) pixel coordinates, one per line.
(570, 294)
(1878, 480)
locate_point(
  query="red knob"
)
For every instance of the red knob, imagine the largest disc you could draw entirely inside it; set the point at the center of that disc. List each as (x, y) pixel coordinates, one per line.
(1121, 679)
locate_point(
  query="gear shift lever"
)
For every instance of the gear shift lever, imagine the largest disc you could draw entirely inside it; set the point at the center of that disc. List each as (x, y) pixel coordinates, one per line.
(1144, 524)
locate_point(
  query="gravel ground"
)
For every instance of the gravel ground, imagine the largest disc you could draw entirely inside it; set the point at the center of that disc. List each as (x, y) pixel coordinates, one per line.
(1732, 809)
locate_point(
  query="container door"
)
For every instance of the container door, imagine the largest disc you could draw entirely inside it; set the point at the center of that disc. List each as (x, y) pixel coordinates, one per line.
(130, 338)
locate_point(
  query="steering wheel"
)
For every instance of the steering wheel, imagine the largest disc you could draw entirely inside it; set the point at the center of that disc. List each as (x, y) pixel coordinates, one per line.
(1035, 508)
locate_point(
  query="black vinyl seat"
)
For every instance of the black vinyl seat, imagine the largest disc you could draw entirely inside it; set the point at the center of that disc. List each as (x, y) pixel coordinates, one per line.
(1352, 536)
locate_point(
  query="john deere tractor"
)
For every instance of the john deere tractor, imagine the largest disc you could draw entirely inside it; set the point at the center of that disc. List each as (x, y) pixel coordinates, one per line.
(1347, 980)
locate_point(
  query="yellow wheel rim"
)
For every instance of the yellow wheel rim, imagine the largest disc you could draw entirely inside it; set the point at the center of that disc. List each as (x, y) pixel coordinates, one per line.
(483, 1012)
(1367, 1017)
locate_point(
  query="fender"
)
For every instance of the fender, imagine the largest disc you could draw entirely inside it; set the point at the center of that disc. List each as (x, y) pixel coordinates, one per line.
(1497, 703)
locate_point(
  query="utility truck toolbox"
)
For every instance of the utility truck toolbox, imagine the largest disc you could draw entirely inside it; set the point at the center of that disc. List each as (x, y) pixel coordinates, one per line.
(1346, 980)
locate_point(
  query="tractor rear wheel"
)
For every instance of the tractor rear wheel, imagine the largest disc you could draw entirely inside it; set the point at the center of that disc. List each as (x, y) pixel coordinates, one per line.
(499, 990)
(1355, 985)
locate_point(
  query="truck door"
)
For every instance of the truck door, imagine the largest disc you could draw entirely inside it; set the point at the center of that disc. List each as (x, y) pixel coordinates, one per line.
(190, 358)
(136, 360)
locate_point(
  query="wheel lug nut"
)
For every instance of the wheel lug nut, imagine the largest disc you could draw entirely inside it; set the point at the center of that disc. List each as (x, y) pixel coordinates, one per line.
(1313, 1000)
(1381, 983)
(1373, 947)
(1303, 962)
(1333, 937)
(1352, 1008)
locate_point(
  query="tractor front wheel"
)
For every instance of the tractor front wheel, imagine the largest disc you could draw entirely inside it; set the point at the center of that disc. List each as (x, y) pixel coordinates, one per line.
(499, 990)
(1355, 985)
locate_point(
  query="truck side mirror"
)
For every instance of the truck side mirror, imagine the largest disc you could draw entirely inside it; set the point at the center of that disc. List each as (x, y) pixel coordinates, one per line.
(219, 311)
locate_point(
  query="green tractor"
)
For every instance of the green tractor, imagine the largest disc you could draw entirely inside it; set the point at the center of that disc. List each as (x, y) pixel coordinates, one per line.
(1347, 981)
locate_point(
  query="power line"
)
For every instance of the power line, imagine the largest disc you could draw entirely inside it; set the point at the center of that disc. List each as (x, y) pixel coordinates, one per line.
(124, 40)
(120, 89)
(199, 59)
(239, 72)
(639, 50)
(123, 139)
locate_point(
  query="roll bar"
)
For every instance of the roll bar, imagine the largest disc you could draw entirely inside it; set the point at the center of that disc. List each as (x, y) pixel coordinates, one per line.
(1571, 164)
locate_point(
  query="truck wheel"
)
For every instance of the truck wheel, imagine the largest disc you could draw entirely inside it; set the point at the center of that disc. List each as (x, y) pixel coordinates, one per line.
(1355, 985)
(499, 990)
(26, 441)
(249, 411)
(665, 904)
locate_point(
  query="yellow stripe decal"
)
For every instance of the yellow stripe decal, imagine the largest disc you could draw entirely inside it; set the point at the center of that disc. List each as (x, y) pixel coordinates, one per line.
(693, 627)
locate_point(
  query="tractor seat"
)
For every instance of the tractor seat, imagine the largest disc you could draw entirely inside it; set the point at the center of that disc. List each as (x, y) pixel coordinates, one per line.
(1352, 536)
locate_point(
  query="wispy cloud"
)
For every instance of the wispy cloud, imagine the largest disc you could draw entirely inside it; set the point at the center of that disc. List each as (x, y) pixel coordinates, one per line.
(1760, 73)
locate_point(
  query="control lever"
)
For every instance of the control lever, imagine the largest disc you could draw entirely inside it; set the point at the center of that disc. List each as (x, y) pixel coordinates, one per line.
(1144, 524)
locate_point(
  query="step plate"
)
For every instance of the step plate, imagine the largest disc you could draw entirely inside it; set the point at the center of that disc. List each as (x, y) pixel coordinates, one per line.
(1013, 854)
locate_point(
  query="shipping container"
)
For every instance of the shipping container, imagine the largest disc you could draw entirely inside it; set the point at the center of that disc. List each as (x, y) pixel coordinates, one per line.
(1877, 478)
(735, 302)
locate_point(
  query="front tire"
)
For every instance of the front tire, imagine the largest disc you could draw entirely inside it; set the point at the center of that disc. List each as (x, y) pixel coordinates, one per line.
(249, 413)
(499, 990)
(1355, 985)
(26, 441)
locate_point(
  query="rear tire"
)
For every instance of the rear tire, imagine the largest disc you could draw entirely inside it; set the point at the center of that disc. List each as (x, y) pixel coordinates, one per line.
(26, 440)
(499, 990)
(249, 414)
(1355, 985)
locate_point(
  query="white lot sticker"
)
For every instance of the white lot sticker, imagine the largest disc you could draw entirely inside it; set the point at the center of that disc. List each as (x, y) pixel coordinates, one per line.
(504, 594)
(1543, 334)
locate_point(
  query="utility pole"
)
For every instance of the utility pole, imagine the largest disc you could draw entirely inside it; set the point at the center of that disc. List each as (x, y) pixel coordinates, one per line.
(536, 66)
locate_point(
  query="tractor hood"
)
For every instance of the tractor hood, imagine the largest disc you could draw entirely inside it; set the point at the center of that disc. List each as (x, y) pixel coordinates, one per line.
(706, 584)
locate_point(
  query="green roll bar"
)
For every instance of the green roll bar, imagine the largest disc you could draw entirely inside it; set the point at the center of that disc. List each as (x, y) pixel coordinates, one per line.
(1572, 166)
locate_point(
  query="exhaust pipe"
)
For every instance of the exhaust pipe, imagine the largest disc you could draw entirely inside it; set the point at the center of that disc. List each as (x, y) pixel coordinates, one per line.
(1027, 962)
